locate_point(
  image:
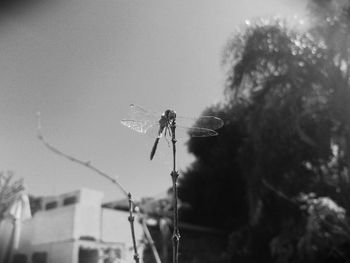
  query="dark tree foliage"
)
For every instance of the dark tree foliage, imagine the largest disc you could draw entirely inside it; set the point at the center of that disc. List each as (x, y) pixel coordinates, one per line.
(276, 179)
(297, 108)
(207, 185)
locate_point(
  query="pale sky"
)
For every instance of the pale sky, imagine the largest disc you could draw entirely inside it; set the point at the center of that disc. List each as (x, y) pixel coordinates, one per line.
(82, 62)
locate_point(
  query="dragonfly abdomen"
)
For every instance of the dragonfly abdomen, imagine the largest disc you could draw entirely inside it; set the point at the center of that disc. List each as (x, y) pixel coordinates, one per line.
(154, 148)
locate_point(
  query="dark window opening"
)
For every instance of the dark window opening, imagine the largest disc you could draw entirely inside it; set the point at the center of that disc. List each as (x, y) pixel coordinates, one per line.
(88, 255)
(88, 238)
(19, 258)
(39, 257)
(70, 200)
(118, 253)
(51, 205)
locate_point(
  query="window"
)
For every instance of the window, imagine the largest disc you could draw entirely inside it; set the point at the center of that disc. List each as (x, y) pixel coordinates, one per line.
(70, 200)
(19, 258)
(89, 238)
(39, 257)
(88, 255)
(118, 253)
(51, 205)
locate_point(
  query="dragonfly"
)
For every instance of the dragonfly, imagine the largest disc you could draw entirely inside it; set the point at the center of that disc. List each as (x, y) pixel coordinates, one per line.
(158, 125)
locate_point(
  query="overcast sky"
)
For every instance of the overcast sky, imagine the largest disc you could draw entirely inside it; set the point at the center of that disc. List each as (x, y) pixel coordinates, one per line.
(81, 63)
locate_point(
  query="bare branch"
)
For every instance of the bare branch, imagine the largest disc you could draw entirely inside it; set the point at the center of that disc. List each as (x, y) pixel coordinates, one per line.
(98, 171)
(87, 164)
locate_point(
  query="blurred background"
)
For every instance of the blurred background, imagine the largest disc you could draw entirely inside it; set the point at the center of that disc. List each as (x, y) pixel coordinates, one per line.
(81, 63)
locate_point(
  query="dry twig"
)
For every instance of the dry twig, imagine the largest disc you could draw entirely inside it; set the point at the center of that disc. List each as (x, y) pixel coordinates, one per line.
(89, 165)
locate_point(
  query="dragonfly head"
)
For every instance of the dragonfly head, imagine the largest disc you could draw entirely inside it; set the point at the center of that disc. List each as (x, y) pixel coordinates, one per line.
(170, 114)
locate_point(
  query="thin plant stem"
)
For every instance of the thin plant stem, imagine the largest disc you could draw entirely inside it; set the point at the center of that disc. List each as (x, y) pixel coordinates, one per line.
(131, 219)
(88, 165)
(174, 175)
(149, 239)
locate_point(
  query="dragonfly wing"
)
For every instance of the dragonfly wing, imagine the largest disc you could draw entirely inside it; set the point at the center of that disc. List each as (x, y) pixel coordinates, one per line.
(148, 122)
(142, 120)
(181, 132)
(138, 113)
(206, 122)
(146, 127)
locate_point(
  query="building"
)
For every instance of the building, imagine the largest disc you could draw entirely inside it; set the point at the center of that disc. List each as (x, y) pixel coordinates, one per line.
(75, 228)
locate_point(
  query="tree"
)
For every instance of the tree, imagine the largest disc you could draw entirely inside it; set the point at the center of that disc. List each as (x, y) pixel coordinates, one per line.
(207, 185)
(286, 136)
(9, 192)
(296, 102)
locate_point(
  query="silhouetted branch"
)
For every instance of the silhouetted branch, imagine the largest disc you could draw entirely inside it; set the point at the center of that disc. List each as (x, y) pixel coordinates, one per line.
(98, 171)
(174, 176)
(75, 160)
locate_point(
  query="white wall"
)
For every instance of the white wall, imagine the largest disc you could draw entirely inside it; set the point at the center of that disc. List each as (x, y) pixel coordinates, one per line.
(62, 252)
(116, 227)
(87, 222)
(53, 225)
(58, 230)
(66, 222)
